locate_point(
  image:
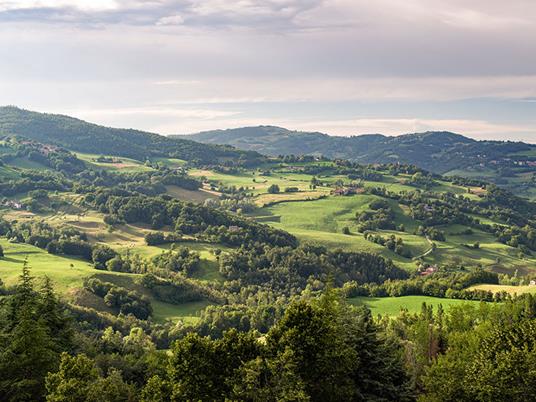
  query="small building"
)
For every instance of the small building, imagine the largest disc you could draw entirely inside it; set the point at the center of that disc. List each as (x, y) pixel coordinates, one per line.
(429, 271)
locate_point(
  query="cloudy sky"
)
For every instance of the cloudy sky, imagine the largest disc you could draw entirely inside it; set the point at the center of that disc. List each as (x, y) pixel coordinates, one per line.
(339, 66)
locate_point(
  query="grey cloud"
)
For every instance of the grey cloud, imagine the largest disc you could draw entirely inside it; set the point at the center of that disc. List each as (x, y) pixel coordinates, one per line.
(203, 13)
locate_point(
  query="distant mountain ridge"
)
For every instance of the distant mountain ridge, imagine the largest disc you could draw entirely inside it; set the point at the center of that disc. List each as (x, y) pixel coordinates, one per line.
(81, 136)
(439, 152)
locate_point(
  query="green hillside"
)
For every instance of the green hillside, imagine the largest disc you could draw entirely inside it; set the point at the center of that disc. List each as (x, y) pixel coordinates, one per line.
(78, 135)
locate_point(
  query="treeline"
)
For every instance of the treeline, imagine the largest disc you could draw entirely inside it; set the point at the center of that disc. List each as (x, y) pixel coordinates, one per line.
(56, 240)
(34, 180)
(122, 300)
(148, 183)
(450, 284)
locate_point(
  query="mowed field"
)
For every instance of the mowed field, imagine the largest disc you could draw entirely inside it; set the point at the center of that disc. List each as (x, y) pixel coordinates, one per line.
(123, 164)
(392, 306)
(512, 290)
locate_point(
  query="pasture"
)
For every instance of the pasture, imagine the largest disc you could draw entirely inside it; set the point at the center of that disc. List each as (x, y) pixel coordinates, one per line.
(392, 306)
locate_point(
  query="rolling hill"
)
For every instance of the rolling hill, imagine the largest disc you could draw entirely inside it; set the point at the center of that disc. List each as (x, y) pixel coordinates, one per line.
(81, 136)
(511, 165)
(439, 152)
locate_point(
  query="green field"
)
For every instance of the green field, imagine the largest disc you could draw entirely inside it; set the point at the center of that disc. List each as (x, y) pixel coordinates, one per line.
(392, 306)
(513, 290)
(58, 268)
(126, 165)
(317, 217)
(68, 274)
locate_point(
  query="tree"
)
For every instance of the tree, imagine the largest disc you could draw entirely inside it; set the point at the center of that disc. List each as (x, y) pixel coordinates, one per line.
(337, 353)
(271, 380)
(274, 189)
(58, 323)
(78, 379)
(1, 251)
(27, 351)
(101, 254)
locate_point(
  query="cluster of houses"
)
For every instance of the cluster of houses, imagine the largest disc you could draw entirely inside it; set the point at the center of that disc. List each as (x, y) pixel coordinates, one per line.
(13, 204)
(45, 149)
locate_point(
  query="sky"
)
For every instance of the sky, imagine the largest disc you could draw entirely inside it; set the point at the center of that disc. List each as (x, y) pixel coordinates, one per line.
(343, 67)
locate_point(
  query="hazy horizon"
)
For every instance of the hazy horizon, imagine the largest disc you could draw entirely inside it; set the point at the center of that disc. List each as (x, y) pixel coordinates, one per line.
(342, 67)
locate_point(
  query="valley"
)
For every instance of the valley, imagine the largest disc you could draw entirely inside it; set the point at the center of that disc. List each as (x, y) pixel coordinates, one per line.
(154, 251)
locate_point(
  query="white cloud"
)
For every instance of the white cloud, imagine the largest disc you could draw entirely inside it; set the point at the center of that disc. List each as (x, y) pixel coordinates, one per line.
(171, 20)
(83, 5)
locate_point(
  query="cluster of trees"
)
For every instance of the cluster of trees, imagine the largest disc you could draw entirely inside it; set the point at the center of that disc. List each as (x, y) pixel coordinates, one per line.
(53, 157)
(180, 259)
(120, 299)
(159, 238)
(34, 180)
(380, 216)
(392, 242)
(56, 240)
(289, 270)
(422, 181)
(202, 221)
(239, 203)
(450, 283)
(177, 289)
(149, 183)
(431, 233)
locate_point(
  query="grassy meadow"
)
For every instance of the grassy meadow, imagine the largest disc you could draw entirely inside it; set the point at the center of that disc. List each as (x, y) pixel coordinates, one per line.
(392, 306)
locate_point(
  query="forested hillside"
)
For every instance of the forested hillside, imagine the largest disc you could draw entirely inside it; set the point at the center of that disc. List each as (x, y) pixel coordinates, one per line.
(439, 152)
(78, 135)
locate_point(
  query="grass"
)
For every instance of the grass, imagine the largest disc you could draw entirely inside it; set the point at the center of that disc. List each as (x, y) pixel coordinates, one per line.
(513, 290)
(255, 182)
(126, 165)
(170, 162)
(392, 306)
(58, 268)
(186, 312)
(321, 222)
(68, 275)
(25, 163)
(182, 194)
(7, 172)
